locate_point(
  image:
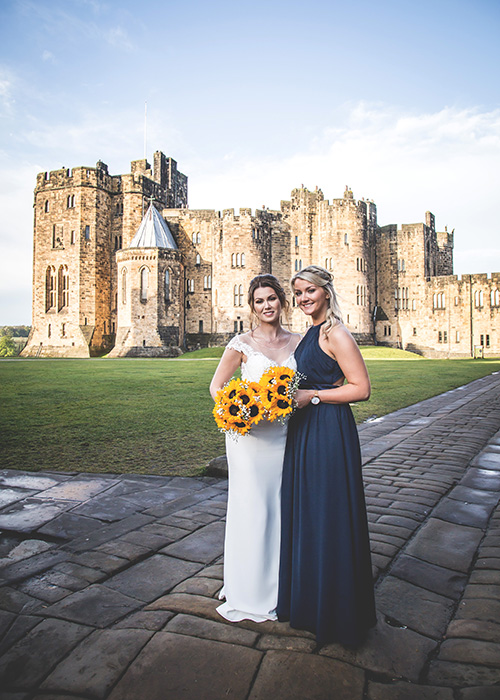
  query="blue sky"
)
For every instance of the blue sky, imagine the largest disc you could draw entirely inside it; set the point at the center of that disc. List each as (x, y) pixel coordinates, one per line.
(399, 100)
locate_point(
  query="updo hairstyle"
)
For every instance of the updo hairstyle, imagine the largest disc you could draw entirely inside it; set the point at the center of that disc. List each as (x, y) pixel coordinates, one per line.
(267, 281)
(317, 275)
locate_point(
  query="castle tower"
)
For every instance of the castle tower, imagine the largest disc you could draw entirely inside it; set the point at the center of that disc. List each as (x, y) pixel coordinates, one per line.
(150, 280)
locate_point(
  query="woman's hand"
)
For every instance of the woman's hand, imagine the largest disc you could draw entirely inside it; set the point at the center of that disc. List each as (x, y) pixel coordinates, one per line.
(303, 397)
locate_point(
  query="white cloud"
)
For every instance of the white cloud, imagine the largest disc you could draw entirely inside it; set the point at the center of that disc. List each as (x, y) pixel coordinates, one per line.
(118, 37)
(48, 56)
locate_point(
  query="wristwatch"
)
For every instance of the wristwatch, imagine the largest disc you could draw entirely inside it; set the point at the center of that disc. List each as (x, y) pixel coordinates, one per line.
(315, 399)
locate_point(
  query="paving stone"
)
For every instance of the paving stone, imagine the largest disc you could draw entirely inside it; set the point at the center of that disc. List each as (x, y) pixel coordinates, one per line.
(153, 577)
(485, 576)
(182, 523)
(155, 496)
(474, 629)
(26, 549)
(287, 674)
(147, 540)
(147, 620)
(101, 560)
(173, 533)
(15, 601)
(199, 585)
(407, 691)
(8, 496)
(83, 572)
(68, 526)
(434, 578)
(208, 629)
(109, 508)
(6, 619)
(78, 489)
(27, 481)
(449, 673)
(470, 651)
(468, 495)
(214, 571)
(389, 650)
(97, 662)
(122, 548)
(31, 513)
(478, 590)
(270, 642)
(421, 610)
(488, 563)
(484, 479)
(479, 609)
(39, 587)
(32, 658)
(487, 460)
(215, 670)
(203, 546)
(109, 532)
(27, 568)
(446, 544)
(481, 693)
(19, 628)
(96, 605)
(453, 511)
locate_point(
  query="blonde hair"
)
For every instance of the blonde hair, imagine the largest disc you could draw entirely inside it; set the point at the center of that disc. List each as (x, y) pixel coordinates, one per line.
(317, 275)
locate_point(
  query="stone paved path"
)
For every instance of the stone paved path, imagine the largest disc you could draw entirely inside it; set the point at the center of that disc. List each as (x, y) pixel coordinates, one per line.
(108, 584)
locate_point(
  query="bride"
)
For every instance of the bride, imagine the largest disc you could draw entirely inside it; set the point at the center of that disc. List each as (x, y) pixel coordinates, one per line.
(255, 462)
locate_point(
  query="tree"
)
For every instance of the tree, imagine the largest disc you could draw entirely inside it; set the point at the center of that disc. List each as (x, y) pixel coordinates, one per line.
(8, 348)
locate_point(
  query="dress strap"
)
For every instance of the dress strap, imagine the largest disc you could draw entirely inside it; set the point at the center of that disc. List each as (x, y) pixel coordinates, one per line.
(237, 344)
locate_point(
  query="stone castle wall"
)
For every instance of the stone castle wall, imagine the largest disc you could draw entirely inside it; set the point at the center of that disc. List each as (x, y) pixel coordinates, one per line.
(395, 284)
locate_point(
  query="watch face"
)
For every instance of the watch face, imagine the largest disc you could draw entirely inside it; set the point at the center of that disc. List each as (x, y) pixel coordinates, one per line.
(315, 400)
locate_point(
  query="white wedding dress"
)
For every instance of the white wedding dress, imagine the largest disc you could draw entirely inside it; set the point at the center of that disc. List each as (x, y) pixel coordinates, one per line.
(253, 524)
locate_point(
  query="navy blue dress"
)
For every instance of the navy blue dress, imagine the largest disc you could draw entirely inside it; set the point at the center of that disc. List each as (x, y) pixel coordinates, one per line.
(326, 584)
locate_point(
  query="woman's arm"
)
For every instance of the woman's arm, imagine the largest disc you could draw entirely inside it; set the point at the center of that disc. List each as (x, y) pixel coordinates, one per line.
(340, 345)
(229, 363)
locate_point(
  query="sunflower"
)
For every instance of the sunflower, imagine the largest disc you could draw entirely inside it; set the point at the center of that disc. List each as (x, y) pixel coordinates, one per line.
(238, 407)
(279, 385)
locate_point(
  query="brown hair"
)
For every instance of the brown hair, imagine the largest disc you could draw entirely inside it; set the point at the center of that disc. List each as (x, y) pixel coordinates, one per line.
(317, 275)
(267, 281)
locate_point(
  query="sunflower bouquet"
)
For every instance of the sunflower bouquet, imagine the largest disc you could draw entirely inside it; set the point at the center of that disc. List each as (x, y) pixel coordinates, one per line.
(278, 387)
(238, 407)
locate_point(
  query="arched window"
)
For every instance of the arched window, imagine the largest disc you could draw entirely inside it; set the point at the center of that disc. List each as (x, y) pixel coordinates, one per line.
(198, 237)
(495, 297)
(300, 264)
(144, 283)
(167, 285)
(243, 260)
(346, 240)
(240, 295)
(193, 237)
(124, 285)
(235, 295)
(478, 298)
(191, 285)
(46, 206)
(233, 260)
(209, 282)
(237, 259)
(50, 288)
(62, 287)
(198, 259)
(357, 295)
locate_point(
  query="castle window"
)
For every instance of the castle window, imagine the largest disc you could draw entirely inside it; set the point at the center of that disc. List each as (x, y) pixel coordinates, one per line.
(346, 240)
(49, 330)
(72, 238)
(388, 330)
(50, 288)
(238, 260)
(241, 326)
(296, 241)
(207, 282)
(457, 301)
(191, 286)
(124, 285)
(62, 287)
(116, 302)
(495, 297)
(414, 331)
(481, 342)
(70, 202)
(440, 336)
(200, 326)
(167, 286)
(144, 273)
(87, 233)
(478, 299)
(445, 336)
(438, 300)
(240, 295)
(198, 237)
(457, 337)
(233, 260)
(193, 237)
(198, 259)
(300, 265)
(236, 326)
(243, 260)
(414, 304)
(63, 330)
(296, 265)
(46, 206)
(113, 327)
(487, 340)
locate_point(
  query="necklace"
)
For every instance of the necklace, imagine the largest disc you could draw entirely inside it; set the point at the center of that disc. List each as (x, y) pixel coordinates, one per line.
(271, 343)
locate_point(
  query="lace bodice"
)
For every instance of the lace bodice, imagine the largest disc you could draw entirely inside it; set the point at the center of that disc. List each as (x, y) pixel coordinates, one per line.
(257, 363)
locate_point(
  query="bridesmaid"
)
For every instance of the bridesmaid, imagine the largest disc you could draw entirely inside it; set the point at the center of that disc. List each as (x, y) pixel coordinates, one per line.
(326, 583)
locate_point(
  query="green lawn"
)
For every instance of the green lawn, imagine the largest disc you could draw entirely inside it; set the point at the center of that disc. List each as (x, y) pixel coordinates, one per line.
(154, 416)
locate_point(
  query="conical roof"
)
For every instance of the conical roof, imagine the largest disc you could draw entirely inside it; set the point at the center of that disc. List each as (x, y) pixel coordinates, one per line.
(153, 232)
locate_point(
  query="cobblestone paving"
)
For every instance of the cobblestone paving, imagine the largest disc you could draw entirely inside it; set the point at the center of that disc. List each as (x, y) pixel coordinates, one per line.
(108, 584)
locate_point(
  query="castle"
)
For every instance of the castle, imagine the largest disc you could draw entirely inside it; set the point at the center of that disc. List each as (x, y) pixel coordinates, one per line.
(123, 266)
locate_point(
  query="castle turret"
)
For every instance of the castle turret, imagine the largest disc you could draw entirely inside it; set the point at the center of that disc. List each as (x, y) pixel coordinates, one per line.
(150, 292)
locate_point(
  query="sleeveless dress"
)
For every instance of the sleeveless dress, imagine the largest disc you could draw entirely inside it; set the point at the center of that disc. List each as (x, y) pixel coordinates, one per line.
(253, 531)
(326, 584)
